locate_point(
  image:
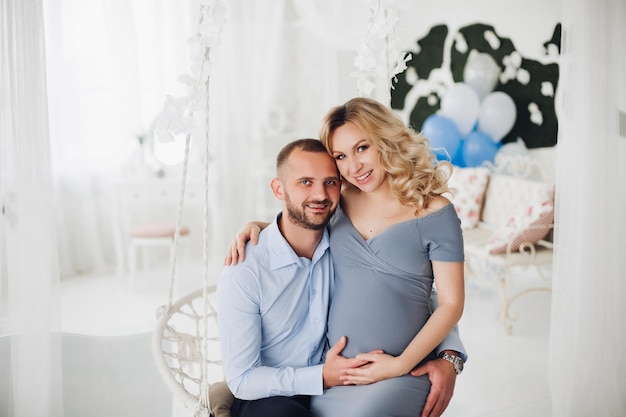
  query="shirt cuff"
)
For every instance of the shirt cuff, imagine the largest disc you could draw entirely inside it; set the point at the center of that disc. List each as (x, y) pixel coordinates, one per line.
(310, 380)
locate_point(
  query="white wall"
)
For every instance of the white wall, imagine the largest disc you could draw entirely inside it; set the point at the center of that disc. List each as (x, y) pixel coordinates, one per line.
(527, 23)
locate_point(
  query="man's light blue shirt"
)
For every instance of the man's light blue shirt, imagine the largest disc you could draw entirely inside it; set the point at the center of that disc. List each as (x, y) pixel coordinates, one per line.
(273, 310)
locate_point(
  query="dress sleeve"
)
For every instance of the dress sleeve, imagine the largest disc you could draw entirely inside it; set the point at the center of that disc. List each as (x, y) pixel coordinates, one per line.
(442, 235)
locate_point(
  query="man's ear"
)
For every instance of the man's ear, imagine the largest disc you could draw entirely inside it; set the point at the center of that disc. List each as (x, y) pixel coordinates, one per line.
(277, 188)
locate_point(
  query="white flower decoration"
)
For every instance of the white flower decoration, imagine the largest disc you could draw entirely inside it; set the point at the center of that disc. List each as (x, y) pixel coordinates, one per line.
(184, 115)
(377, 54)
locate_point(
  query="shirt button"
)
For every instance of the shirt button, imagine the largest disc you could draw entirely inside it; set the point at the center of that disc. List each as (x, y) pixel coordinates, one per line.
(315, 321)
(314, 292)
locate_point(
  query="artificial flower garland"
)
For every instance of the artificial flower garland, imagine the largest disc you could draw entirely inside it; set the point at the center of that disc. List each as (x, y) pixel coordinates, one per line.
(378, 49)
(180, 114)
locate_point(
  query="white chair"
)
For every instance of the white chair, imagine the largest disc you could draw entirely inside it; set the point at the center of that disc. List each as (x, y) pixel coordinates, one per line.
(144, 218)
(144, 237)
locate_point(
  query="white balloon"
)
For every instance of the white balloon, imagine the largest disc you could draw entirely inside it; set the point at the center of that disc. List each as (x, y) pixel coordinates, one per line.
(497, 115)
(462, 105)
(481, 73)
(513, 149)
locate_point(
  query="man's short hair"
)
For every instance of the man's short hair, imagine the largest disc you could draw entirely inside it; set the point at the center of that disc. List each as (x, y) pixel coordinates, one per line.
(307, 145)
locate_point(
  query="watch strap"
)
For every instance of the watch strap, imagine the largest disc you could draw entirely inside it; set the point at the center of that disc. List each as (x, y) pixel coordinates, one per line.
(456, 361)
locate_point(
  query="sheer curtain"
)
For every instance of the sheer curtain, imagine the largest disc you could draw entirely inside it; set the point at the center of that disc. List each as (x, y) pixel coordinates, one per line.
(42, 371)
(274, 79)
(110, 65)
(31, 359)
(244, 88)
(587, 374)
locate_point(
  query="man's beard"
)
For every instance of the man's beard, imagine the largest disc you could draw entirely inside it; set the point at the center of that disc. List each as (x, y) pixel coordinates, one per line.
(299, 216)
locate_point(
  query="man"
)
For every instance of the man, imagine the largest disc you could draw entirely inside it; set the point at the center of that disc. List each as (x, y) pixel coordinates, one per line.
(274, 306)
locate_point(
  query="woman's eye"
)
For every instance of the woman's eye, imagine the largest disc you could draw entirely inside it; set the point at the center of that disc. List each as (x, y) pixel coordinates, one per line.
(362, 148)
(340, 157)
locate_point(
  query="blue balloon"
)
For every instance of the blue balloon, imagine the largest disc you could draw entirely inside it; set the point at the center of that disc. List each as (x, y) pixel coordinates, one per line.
(444, 136)
(478, 147)
(457, 159)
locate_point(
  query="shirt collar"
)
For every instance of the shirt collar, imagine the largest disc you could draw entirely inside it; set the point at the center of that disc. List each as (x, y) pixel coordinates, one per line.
(282, 254)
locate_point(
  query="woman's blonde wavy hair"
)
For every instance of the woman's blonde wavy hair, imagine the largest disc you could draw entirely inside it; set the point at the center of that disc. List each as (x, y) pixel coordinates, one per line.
(412, 169)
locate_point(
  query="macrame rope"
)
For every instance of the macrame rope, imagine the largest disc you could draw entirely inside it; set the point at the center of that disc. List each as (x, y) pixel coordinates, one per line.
(204, 403)
(179, 217)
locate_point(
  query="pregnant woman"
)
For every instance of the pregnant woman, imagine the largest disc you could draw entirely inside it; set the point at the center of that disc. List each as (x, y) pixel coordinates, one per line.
(392, 237)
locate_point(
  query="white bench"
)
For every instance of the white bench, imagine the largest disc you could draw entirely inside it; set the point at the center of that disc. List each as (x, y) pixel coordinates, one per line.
(509, 236)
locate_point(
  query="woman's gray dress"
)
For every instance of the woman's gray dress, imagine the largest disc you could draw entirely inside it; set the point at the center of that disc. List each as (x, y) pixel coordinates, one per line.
(381, 300)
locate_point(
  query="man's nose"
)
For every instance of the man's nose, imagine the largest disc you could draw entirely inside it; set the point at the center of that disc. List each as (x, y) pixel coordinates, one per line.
(319, 191)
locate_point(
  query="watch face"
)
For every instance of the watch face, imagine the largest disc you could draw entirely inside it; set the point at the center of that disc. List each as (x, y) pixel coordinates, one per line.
(458, 363)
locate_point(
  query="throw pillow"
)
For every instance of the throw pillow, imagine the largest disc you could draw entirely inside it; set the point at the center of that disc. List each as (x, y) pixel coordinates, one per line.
(468, 185)
(528, 225)
(220, 399)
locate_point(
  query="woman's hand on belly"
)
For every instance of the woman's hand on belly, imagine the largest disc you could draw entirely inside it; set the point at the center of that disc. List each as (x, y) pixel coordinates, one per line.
(379, 366)
(336, 364)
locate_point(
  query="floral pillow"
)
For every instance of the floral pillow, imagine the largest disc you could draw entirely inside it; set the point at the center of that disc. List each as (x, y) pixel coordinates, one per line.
(528, 225)
(468, 185)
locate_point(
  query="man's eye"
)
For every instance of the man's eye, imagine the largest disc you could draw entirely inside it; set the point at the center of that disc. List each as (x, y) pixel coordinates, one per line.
(305, 182)
(332, 182)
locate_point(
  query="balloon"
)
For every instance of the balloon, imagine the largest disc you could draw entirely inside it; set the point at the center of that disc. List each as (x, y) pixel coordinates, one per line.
(497, 115)
(444, 137)
(513, 149)
(478, 148)
(457, 159)
(462, 105)
(481, 73)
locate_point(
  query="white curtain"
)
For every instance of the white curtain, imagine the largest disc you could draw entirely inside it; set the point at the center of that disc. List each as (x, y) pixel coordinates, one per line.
(587, 374)
(245, 86)
(43, 372)
(274, 79)
(110, 65)
(31, 357)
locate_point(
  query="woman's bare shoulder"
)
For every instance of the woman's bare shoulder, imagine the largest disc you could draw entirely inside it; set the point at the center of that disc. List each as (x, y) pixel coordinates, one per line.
(434, 205)
(438, 202)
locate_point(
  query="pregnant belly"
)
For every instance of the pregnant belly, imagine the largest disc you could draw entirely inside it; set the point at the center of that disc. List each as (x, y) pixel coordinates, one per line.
(376, 316)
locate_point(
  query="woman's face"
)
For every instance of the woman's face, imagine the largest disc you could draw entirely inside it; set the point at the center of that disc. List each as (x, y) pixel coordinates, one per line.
(356, 158)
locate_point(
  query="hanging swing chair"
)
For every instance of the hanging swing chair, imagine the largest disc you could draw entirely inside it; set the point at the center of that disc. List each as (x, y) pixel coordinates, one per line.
(185, 342)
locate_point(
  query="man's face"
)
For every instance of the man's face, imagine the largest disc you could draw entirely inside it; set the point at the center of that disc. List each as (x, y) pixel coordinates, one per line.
(310, 188)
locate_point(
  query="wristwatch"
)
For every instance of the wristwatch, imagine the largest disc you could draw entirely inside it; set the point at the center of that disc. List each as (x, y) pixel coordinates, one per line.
(454, 360)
